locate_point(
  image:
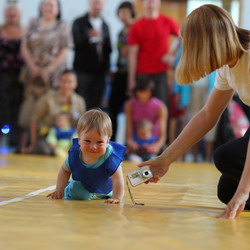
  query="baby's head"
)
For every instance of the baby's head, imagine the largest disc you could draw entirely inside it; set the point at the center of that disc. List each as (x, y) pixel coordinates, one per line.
(63, 120)
(94, 130)
(144, 129)
(97, 120)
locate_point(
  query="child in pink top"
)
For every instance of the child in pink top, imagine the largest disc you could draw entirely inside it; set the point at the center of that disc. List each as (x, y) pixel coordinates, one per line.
(144, 106)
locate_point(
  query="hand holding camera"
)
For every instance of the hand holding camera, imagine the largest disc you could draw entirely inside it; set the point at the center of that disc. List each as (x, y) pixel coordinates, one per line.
(138, 177)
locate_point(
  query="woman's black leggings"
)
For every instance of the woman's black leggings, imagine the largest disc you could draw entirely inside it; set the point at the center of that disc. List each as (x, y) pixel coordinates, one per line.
(229, 159)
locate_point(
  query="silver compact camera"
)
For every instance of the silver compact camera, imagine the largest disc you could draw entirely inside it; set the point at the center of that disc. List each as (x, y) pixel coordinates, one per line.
(140, 175)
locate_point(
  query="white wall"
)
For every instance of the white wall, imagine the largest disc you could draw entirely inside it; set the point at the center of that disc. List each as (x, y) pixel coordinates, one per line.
(70, 10)
(245, 14)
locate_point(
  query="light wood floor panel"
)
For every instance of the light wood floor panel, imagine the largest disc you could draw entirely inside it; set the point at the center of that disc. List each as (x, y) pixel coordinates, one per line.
(178, 213)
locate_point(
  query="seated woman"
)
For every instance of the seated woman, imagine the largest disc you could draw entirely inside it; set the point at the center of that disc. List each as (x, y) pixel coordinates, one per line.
(144, 106)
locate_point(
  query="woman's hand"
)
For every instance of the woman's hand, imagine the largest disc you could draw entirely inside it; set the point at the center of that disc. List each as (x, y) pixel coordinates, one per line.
(112, 201)
(57, 194)
(158, 167)
(235, 206)
(35, 71)
(45, 73)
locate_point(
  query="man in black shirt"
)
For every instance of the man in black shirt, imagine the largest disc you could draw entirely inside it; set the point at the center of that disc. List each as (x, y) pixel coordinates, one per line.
(92, 53)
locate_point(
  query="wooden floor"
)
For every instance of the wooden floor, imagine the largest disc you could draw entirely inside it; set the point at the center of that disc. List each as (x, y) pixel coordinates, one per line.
(178, 213)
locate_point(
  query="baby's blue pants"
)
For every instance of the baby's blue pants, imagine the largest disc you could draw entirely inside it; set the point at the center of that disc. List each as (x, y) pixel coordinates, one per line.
(76, 191)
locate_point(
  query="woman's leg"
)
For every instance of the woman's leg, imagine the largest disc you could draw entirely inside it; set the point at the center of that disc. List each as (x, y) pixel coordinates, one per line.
(226, 190)
(229, 159)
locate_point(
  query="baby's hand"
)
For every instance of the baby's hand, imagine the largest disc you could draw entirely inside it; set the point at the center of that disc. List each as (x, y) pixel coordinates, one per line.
(57, 194)
(112, 201)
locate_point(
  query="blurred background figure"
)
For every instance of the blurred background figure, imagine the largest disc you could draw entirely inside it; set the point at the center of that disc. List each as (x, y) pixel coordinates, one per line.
(92, 47)
(60, 136)
(11, 90)
(149, 39)
(48, 107)
(44, 48)
(145, 106)
(200, 90)
(118, 95)
(144, 138)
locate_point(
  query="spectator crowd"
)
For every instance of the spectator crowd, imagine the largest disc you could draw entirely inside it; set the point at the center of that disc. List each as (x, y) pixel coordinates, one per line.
(42, 100)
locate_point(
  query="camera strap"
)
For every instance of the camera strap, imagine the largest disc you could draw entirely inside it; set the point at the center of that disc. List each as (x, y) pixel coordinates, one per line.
(131, 196)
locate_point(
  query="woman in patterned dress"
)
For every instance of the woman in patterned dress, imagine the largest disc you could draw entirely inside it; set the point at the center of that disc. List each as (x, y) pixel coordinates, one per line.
(44, 48)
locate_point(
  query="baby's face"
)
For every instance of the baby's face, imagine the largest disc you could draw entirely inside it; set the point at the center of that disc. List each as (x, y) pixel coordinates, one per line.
(63, 121)
(144, 133)
(93, 145)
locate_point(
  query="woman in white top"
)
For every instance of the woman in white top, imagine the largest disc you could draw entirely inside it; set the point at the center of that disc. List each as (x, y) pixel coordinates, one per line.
(211, 41)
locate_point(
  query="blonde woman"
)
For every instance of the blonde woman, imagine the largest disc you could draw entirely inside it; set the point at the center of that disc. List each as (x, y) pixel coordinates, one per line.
(211, 41)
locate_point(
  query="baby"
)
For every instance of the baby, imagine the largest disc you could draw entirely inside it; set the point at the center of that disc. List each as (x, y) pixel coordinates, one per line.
(93, 161)
(144, 138)
(60, 136)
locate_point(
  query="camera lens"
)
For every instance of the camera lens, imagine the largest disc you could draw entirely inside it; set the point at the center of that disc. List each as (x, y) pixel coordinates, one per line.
(145, 173)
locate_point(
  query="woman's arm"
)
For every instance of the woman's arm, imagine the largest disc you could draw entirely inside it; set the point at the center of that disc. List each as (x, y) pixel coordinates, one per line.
(62, 180)
(61, 57)
(29, 59)
(132, 65)
(118, 187)
(200, 124)
(238, 202)
(162, 119)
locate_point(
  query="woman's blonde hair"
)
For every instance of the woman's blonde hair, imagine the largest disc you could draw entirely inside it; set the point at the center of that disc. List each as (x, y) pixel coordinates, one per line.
(12, 4)
(95, 119)
(210, 40)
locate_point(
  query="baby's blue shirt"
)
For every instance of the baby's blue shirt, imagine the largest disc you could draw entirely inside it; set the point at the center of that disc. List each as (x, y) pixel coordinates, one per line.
(98, 163)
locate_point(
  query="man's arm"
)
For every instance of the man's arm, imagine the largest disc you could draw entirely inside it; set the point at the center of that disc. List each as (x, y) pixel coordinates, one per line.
(132, 65)
(80, 35)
